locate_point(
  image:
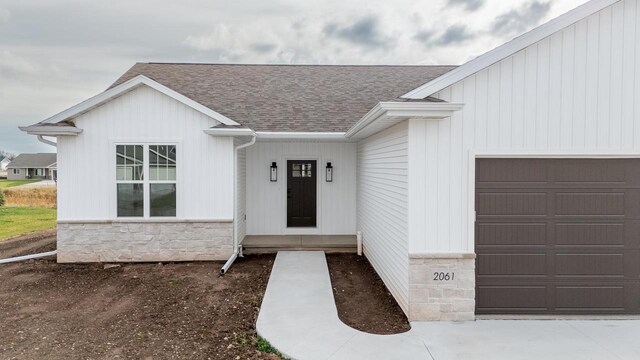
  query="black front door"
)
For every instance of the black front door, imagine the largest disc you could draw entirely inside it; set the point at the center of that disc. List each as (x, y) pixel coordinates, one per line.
(301, 193)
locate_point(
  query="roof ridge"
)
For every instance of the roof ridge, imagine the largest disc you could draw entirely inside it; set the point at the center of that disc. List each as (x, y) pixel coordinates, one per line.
(291, 65)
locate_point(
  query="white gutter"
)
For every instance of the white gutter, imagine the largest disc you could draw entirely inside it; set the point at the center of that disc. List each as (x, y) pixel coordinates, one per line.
(229, 132)
(51, 130)
(28, 257)
(282, 135)
(48, 142)
(236, 245)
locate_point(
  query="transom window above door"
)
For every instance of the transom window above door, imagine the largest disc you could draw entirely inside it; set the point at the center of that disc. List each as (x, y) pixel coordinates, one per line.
(142, 195)
(302, 170)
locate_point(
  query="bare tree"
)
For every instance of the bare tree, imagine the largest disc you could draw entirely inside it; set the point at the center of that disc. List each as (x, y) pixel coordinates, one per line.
(7, 154)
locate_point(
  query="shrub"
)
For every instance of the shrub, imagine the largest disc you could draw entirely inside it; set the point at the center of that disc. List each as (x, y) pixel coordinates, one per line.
(1, 198)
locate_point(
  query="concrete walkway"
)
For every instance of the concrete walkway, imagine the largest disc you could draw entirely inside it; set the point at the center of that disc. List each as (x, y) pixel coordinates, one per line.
(299, 317)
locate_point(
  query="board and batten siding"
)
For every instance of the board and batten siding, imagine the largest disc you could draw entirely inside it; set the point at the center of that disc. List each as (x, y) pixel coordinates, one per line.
(86, 163)
(267, 201)
(577, 91)
(382, 211)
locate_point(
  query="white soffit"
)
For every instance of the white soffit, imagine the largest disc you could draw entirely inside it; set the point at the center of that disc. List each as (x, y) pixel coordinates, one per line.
(387, 114)
(508, 49)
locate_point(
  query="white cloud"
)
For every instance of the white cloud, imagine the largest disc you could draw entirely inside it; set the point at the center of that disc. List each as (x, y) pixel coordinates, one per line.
(55, 54)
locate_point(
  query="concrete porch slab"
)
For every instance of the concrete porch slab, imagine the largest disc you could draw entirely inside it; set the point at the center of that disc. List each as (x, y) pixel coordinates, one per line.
(299, 317)
(274, 243)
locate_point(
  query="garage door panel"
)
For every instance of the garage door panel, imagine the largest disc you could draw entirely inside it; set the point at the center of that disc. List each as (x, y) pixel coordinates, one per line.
(511, 171)
(590, 171)
(512, 264)
(590, 298)
(511, 204)
(512, 297)
(590, 204)
(593, 265)
(590, 234)
(569, 244)
(514, 234)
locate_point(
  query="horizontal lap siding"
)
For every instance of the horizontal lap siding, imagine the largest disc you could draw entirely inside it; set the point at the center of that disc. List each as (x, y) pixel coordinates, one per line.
(575, 91)
(86, 163)
(382, 207)
(266, 200)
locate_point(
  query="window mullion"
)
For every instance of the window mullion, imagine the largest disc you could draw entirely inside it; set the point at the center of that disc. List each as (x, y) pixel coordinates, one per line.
(145, 177)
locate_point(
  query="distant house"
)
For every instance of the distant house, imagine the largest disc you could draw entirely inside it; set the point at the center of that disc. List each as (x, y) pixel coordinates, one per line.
(33, 166)
(4, 161)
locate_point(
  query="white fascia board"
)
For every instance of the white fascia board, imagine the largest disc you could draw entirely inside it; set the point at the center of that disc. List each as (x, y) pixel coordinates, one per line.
(51, 130)
(229, 132)
(127, 86)
(387, 110)
(508, 49)
(266, 135)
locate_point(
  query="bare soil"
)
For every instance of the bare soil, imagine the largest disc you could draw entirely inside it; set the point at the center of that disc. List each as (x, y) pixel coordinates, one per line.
(144, 311)
(160, 311)
(363, 301)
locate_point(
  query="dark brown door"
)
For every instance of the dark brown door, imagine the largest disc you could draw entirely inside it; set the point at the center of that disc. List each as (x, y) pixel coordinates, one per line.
(558, 236)
(301, 193)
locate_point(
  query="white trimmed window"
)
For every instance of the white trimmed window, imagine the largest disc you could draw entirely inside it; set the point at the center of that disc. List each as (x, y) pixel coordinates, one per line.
(16, 171)
(141, 195)
(39, 172)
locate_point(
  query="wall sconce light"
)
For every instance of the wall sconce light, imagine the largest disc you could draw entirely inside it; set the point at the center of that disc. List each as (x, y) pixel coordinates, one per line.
(274, 172)
(329, 172)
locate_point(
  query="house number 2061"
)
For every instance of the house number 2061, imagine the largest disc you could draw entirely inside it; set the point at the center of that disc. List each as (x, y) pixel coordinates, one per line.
(443, 276)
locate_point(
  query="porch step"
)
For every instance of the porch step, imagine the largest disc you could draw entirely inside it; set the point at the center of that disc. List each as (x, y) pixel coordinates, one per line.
(273, 244)
(273, 250)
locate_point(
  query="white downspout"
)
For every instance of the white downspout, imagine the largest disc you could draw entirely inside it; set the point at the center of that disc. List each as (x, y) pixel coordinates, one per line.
(236, 246)
(48, 142)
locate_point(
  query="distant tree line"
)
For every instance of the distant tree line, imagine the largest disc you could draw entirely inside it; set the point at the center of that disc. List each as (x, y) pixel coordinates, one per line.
(7, 154)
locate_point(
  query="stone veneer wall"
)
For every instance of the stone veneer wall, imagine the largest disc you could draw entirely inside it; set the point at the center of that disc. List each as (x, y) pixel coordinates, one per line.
(442, 300)
(125, 241)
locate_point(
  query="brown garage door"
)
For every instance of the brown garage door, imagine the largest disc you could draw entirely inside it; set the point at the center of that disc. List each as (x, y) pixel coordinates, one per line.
(558, 236)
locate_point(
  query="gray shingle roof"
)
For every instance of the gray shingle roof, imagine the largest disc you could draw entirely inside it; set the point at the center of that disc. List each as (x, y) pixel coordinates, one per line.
(40, 160)
(314, 98)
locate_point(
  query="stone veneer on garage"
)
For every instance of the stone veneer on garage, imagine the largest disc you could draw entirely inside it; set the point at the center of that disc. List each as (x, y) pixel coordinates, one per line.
(442, 300)
(131, 241)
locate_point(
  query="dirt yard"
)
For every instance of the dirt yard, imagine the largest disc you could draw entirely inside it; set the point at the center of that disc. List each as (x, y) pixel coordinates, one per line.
(363, 302)
(160, 311)
(153, 311)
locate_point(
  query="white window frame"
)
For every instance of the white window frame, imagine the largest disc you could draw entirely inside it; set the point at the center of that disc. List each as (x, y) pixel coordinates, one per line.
(39, 172)
(16, 171)
(146, 182)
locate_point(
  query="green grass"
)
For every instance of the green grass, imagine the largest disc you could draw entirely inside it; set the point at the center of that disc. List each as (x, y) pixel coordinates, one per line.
(10, 183)
(16, 221)
(264, 346)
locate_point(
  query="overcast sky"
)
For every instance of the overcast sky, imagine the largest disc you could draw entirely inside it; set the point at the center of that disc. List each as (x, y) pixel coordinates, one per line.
(54, 54)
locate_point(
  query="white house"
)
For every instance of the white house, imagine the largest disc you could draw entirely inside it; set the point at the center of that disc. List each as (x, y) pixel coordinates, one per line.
(508, 185)
(4, 161)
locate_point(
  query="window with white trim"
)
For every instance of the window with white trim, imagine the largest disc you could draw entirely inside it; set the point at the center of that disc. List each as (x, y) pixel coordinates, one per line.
(16, 171)
(39, 172)
(146, 180)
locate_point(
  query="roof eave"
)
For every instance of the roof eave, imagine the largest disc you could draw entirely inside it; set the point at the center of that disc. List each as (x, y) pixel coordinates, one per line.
(51, 130)
(508, 49)
(301, 135)
(390, 113)
(229, 132)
